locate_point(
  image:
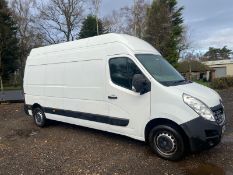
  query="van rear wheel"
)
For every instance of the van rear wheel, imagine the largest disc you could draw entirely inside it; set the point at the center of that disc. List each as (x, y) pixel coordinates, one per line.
(39, 117)
(167, 142)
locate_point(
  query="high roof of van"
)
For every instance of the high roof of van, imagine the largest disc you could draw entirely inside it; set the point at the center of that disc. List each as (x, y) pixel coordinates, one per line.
(134, 43)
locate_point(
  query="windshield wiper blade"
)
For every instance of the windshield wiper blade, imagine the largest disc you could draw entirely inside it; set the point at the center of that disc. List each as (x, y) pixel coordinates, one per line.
(179, 81)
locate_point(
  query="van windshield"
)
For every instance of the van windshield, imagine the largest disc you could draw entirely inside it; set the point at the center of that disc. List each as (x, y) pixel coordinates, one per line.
(161, 70)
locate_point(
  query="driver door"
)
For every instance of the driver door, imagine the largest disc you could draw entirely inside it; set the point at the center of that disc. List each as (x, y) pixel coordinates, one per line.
(123, 102)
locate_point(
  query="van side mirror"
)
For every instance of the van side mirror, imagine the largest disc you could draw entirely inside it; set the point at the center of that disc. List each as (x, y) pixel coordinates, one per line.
(141, 84)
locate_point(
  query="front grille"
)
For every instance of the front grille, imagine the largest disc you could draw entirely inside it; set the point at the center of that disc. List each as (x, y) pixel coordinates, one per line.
(219, 114)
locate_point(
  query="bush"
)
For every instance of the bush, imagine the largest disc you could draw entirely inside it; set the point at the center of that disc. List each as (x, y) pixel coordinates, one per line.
(229, 81)
(222, 83)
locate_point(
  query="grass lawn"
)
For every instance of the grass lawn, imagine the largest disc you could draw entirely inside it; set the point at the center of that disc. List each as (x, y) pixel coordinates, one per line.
(11, 88)
(203, 83)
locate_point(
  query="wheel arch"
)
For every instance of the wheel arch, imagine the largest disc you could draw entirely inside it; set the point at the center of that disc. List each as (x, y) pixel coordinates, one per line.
(36, 105)
(162, 121)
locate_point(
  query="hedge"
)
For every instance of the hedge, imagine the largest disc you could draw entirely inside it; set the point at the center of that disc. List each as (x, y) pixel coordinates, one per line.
(222, 83)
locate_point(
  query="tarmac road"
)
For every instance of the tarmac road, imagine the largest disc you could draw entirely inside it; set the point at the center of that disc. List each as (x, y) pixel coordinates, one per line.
(11, 96)
(67, 149)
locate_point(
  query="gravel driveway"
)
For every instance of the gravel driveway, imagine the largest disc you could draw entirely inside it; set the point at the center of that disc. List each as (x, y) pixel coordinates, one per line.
(68, 149)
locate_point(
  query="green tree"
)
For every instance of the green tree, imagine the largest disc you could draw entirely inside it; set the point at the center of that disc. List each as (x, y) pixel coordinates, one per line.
(89, 27)
(217, 54)
(8, 42)
(164, 28)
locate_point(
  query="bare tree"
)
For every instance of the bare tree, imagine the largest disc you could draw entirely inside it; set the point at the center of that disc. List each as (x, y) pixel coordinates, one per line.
(116, 23)
(130, 19)
(59, 20)
(23, 12)
(140, 13)
(185, 41)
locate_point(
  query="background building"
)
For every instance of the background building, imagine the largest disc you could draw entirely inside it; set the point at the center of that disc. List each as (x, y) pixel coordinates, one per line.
(195, 70)
(223, 68)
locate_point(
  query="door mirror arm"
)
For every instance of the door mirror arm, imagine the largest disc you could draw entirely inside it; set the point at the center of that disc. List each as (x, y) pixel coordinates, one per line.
(146, 87)
(141, 84)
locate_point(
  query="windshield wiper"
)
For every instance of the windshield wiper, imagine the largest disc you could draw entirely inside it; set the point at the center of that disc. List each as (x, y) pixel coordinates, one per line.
(174, 83)
(178, 82)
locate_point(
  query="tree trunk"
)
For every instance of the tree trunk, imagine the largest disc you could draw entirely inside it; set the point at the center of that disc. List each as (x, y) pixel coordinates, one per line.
(97, 25)
(96, 15)
(1, 84)
(190, 71)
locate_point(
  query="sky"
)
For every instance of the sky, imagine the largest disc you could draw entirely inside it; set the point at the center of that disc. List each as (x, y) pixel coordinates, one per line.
(209, 22)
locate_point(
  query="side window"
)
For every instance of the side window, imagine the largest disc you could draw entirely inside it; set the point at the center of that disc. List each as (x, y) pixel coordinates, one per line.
(122, 70)
(132, 70)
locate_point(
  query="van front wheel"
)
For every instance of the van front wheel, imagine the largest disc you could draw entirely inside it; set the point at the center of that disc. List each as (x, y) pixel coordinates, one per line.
(167, 142)
(39, 117)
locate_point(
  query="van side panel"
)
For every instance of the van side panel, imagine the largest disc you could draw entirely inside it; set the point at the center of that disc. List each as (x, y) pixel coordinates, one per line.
(85, 86)
(54, 85)
(72, 80)
(34, 84)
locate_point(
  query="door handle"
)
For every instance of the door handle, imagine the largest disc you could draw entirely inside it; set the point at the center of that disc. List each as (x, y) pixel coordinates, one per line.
(112, 97)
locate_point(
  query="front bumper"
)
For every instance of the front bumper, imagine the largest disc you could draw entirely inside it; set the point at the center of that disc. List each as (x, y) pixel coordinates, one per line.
(202, 134)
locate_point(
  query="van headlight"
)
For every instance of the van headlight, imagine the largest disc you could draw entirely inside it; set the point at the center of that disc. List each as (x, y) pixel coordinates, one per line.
(199, 107)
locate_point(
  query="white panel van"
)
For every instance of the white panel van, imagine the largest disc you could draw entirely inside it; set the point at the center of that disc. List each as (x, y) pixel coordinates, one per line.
(121, 84)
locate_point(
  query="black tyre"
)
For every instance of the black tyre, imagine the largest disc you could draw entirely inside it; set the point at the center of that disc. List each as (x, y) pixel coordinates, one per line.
(167, 142)
(39, 117)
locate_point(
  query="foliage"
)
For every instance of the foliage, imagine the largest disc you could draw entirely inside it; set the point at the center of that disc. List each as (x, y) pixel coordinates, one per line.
(217, 54)
(164, 28)
(8, 42)
(222, 83)
(192, 66)
(89, 27)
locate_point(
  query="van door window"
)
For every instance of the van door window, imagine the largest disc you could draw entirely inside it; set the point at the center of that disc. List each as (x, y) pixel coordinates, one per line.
(122, 70)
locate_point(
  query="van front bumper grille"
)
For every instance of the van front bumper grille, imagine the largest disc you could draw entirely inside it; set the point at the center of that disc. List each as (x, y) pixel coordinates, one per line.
(219, 114)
